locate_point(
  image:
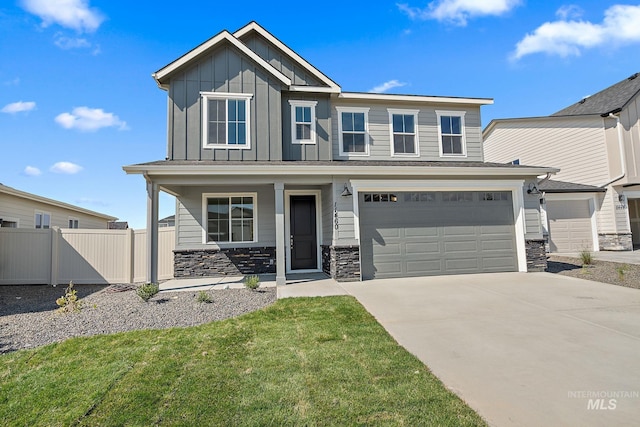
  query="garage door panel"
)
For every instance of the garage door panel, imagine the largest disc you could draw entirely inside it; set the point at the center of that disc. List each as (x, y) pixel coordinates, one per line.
(497, 245)
(423, 248)
(420, 268)
(387, 249)
(458, 265)
(418, 232)
(570, 228)
(464, 246)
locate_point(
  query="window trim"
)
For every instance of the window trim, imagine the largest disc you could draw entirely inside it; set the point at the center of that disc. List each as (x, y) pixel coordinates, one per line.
(364, 110)
(36, 212)
(446, 113)
(205, 222)
(73, 218)
(204, 98)
(405, 112)
(303, 103)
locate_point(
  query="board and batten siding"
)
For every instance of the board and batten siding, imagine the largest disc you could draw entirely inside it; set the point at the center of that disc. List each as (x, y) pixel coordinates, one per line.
(189, 221)
(321, 150)
(576, 145)
(225, 70)
(279, 60)
(429, 142)
(630, 120)
(14, 208)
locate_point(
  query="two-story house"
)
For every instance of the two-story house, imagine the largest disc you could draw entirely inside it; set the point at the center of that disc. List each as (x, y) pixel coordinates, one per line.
(595, 204)
(277, 170)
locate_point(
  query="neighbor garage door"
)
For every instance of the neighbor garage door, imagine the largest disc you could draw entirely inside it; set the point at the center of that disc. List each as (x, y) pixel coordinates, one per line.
(432, 233)
(569, 225)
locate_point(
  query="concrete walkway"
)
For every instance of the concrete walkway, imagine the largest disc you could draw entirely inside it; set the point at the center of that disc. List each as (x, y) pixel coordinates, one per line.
(526, 349)
(624, 257)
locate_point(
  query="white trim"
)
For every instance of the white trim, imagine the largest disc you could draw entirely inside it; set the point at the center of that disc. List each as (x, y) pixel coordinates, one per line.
(314, 89)
(415, 98)
(10, 219)
(204, 47)
(312, 107)
(287, 224)
(631, 194)
(461, 114)
(205, 221)
(416, 140)
(365, 111)
(204, 97)
(287, 50)
(515, 186)
(43, 213)
(591, 198)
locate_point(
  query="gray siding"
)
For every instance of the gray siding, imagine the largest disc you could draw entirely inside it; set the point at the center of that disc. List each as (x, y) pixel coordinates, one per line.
(321, 150)
(189, 222)
(225, 70)
(379, 134)
(279, 60)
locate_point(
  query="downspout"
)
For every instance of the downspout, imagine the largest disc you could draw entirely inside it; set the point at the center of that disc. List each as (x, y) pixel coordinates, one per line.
(543, 180)
(623, 160)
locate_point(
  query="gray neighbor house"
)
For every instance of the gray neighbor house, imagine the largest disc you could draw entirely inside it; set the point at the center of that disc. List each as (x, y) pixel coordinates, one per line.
(275, 169)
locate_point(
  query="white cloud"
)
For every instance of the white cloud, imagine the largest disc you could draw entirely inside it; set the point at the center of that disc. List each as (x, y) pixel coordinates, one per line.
(387, 86)
(32, 171)
(74, 14)
(458, 11)
(18, 107)
(67, 43)
(621, 25)
(89, 119)
(570, 11)
(12, 82)
(66, 168)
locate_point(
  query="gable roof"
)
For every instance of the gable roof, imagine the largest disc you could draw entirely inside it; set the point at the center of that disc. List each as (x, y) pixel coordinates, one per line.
(552, 186)
(610, 100)
(224, 36)
(254, 26)
(28, 196)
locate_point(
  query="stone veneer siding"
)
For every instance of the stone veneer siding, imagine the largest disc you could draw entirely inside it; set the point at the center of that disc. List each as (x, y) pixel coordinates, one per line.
(536, 255)
(223, 262)
(615, 242)
(326, 259)
(344, 263)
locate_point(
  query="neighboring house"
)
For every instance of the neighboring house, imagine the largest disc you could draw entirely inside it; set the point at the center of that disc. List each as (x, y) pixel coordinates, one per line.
(168, 221)
(19, 209)
(277, 170)
(596, 144)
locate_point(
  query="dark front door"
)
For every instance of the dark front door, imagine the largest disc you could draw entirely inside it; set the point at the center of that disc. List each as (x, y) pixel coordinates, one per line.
(303, 239)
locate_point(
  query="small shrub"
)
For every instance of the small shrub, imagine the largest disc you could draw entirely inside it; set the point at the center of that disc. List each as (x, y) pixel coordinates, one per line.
(252, 282)
(147, 290)
(586, 257)
(203, 297)
(69, 302)
(621, 270)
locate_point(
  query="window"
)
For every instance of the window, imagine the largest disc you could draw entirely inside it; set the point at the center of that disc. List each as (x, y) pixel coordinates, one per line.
(420, 197)
(225, 122)
(404, 132)
(43, 220)
(457, 196)
(303, 122)
(353, 131)
(229, 218)
(74, 223)
(451, 130)
(495, 196)
(380, 198)
(8, 223)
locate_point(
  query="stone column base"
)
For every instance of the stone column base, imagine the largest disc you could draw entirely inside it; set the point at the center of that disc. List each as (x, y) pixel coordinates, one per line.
(615, 241)
(536, 255)
(342, 263)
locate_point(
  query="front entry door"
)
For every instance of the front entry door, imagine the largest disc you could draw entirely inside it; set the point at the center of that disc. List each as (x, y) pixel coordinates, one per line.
(303, 239)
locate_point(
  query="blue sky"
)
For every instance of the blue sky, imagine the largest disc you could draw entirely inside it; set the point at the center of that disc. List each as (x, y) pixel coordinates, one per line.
(77, 101)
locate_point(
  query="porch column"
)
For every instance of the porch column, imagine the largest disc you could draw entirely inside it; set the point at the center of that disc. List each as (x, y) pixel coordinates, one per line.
(281, 278)
(152, 232)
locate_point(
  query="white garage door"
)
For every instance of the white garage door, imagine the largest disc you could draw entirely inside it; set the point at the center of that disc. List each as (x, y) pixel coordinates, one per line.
(569, 225)
(432, 233)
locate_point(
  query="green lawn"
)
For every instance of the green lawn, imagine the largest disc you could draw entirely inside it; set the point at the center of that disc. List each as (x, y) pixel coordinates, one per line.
(304, 361)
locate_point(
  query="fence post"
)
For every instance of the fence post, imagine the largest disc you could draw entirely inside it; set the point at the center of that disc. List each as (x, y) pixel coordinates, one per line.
(55, 245)
(131, 261)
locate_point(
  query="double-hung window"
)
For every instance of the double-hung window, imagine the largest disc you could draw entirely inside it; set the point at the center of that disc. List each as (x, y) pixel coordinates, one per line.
(225, 120)
(303, 122)
(229, 218)
(404, 132)
(74, 222)
(43, 220)
(451, 132)
(353, 131)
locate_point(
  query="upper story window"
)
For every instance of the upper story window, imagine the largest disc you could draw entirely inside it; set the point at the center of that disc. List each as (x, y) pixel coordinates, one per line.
(353, 131)
(43, 220)
(404, 132)
(303, 122)
(225, 122)
(74, 222)
(230, 218)
(451, 132)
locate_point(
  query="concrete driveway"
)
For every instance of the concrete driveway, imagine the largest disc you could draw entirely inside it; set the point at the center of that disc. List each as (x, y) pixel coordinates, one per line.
(527, 349)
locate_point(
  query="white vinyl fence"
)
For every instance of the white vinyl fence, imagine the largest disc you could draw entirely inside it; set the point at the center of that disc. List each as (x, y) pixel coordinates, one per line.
(58, 256)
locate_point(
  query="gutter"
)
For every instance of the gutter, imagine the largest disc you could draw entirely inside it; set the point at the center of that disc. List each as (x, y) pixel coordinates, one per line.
(623, 159)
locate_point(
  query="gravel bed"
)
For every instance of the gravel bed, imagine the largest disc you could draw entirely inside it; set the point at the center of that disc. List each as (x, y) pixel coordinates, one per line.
(599, 271)
(28, 316)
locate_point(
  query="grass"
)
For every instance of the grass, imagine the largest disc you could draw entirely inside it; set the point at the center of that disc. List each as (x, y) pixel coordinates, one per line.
(303, 361)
